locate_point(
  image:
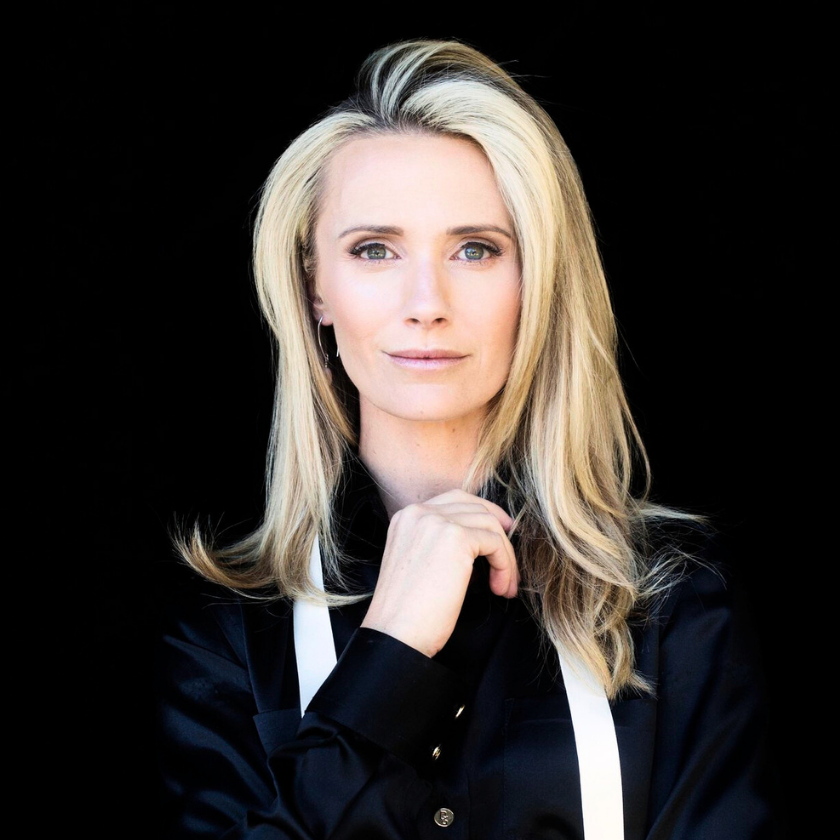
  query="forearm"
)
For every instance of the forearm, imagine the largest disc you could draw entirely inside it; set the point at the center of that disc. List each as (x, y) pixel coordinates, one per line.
(352, 768)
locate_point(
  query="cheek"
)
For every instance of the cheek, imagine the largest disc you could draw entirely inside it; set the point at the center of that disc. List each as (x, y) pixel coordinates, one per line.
(504, 320)
(359, 316)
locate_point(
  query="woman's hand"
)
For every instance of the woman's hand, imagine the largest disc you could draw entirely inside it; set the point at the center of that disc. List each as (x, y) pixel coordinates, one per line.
(427, 564)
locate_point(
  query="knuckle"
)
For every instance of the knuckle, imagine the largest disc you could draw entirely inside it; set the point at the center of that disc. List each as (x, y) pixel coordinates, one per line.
(425, 513)
(411, 512)
(451, 529)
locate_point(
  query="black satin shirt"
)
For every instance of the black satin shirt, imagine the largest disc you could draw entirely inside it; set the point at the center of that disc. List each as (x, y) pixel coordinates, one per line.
(483, 729)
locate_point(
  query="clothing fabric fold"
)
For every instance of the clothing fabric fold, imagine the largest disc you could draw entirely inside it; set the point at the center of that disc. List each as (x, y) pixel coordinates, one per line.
(483, 731)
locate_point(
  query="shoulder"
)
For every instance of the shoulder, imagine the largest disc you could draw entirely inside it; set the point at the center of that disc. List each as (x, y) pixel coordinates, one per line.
(686, 559)
(699, 619)
(698, 649)
(217, 643)
(212, 617)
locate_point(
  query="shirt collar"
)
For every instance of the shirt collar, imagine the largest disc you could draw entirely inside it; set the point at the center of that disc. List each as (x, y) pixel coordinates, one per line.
(360, 514)
(359, 494)
(362, 527)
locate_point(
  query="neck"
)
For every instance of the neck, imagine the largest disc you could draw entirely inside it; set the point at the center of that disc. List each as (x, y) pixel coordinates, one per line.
(414, 460)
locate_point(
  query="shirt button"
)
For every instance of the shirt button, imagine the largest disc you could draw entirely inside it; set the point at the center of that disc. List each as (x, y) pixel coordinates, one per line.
(444, 817)
(436, 755)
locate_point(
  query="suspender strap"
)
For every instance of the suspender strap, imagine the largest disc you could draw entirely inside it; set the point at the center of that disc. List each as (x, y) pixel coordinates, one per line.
(597, 747)
(314, 644)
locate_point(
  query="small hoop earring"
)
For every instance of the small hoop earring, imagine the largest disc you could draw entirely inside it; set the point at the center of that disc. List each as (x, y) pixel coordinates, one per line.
(326, 356)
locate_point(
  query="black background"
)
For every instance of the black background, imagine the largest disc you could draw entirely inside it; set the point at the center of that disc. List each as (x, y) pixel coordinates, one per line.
(692, 136)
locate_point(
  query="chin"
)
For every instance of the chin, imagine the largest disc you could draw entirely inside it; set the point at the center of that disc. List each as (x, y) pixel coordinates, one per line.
(431, 411)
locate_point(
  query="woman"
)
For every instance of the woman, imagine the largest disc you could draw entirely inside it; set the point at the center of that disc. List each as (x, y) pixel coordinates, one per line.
(451, 435)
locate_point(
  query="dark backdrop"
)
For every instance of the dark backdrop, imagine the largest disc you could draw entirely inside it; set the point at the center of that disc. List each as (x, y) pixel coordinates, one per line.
(160, 126)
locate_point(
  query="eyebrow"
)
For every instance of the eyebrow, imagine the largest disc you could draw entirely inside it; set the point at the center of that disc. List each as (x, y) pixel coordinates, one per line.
(393, 231)
(464, 230)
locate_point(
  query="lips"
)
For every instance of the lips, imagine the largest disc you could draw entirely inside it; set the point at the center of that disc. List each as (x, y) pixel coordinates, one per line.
(427, 353)
(426, 359)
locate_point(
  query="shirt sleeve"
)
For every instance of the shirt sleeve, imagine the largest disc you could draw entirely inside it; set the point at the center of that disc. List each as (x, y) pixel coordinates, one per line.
(712, 773)
(351, 767)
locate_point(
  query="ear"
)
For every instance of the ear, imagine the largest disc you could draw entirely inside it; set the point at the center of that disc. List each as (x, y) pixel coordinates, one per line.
(319, 308)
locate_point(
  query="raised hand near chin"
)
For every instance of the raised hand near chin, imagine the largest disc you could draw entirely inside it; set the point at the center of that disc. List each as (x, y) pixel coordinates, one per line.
(428, 562)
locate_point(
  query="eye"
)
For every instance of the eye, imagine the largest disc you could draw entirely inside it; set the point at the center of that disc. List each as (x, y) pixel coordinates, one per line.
(478, 251)
(373, 251)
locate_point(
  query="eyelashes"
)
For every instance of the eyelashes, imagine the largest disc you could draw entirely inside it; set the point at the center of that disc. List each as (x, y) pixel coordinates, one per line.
(473, 247)
(474, 251)
(372, 252)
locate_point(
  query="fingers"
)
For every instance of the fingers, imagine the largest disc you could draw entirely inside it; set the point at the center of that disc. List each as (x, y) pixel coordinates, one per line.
(487, 524)
(460, 499)
(428, 562)
(504, 570)
(490, 541)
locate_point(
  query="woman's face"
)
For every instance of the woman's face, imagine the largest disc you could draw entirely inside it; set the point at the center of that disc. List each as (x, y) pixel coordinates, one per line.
(415, 257)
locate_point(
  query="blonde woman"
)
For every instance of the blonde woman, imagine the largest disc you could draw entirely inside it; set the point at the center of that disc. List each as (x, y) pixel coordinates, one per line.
(456, 616)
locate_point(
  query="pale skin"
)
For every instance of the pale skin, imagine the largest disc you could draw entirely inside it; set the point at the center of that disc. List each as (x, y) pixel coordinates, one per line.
(415, 253)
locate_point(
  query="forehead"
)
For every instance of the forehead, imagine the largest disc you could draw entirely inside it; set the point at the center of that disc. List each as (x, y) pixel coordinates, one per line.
(417, 179)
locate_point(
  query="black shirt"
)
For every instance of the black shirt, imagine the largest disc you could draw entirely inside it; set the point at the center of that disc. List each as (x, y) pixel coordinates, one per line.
(483, 729)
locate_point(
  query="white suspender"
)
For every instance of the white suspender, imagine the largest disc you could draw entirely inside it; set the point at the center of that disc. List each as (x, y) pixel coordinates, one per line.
(597, 747)
(314, 644)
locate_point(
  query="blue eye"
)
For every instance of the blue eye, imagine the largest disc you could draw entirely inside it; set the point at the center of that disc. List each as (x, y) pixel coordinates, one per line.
(376, 252)
(371, 251)
(479, 251)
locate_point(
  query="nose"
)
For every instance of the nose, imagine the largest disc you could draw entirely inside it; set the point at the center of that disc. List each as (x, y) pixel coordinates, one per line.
(427, 293)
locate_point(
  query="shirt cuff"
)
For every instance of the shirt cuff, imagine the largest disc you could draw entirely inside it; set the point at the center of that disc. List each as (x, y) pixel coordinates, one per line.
(393, 695)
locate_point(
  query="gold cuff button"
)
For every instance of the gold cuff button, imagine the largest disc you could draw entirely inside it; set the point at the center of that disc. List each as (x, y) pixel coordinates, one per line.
(436, 756)
(460, 711)
(444, 817)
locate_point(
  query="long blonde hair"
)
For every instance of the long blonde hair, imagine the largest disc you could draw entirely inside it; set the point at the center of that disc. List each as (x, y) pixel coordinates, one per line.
(558, 437)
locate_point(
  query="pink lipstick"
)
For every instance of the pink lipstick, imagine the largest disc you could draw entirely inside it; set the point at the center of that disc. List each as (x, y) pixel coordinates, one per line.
(426, 359)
